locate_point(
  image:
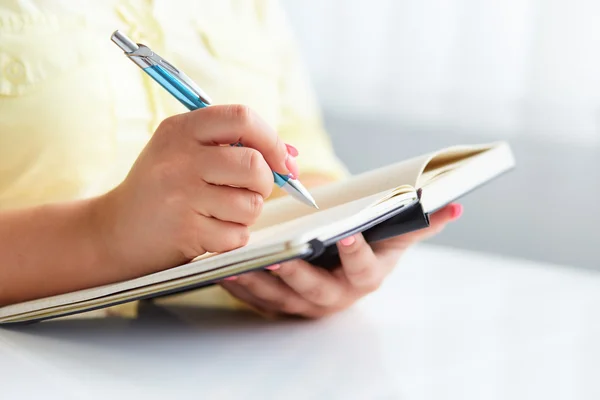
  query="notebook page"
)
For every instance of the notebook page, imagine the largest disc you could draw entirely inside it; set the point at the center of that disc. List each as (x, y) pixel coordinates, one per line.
(344, 191)
(51, 309)
(456, 179)
(333, 219)
(449, 159)
(338, 220)
(268, 241)
(203, 264)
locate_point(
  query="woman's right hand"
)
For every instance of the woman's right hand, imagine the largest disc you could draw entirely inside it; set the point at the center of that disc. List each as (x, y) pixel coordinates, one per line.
(190, 192)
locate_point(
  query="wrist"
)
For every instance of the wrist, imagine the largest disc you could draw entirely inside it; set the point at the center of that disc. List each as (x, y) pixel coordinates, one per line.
(103, 233)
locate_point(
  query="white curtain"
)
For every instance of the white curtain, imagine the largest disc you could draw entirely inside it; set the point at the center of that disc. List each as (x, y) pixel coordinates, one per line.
(491, 67)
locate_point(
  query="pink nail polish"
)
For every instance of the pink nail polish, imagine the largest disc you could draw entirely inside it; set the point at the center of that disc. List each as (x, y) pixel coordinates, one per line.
(274, 267)
(292, 151)
(231, 278)
(349, 241)
(292, 166)
(457, 210)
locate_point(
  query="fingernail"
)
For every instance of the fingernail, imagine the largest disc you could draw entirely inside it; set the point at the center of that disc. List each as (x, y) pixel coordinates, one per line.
(349, 241)
(292, 151)
(231, 278)
(292, 166)
(274, 267)
(456, 211)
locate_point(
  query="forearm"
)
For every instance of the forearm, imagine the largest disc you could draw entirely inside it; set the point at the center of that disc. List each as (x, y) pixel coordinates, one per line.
(51, 249)
(59, 248)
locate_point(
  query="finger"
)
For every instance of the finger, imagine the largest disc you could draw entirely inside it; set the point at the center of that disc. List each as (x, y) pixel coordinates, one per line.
(230, 124)
(230, 204)
(437, 222)
(360, 264)
(216, 236)
(275, 292)
(442, 217)
(236, 166)
(313, 284)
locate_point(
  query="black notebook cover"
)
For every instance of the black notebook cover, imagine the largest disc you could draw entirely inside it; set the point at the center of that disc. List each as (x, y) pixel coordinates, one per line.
(404, 220)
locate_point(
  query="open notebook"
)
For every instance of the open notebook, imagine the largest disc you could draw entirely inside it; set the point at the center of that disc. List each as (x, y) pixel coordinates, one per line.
(381, 203)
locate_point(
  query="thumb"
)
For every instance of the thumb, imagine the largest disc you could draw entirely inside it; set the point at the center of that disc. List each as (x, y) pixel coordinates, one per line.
(437, 223)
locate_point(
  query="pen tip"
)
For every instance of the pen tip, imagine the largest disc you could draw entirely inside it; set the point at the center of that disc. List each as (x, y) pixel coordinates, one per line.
(308, 200)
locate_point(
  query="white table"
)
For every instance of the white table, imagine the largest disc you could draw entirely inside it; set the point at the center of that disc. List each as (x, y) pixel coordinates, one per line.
(448, 324)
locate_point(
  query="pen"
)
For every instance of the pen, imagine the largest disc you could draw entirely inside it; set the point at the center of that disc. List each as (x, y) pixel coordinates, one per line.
(190, 95)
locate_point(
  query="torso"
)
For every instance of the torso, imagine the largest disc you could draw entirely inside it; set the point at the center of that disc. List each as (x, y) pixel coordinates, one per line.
(75, 112)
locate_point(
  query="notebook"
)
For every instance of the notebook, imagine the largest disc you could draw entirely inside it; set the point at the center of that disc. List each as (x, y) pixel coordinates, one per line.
(380, 203)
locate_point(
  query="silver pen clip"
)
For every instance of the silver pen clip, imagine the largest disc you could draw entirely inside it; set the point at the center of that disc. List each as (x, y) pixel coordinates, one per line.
(144, 57)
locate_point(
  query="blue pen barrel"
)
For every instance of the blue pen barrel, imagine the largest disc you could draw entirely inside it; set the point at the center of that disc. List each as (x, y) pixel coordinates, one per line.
(280, 180)
(173, 86)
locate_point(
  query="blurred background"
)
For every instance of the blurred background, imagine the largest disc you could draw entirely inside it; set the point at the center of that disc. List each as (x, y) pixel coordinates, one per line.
(415, 76)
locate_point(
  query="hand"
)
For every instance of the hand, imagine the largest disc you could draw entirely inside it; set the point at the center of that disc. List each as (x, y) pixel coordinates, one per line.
(189, 192)
(300, 289)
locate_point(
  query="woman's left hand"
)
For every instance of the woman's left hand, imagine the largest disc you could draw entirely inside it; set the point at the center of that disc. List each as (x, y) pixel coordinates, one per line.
(301, 289)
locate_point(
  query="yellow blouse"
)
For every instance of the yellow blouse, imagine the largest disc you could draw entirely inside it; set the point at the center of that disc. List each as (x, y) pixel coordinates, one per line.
(75, 112)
